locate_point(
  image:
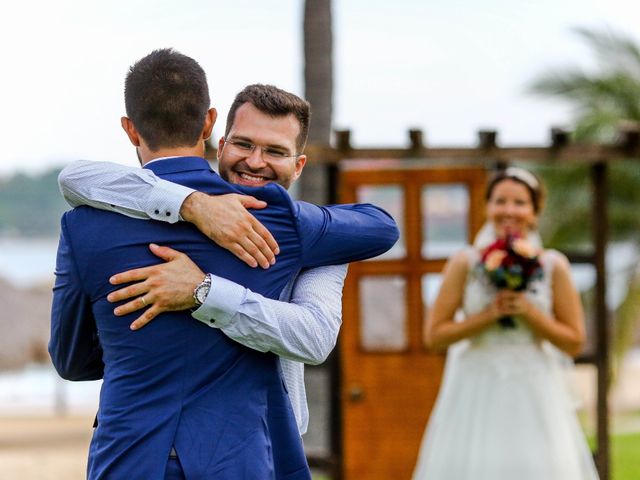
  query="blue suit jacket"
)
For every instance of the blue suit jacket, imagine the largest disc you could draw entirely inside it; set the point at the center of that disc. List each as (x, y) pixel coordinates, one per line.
(177, 382)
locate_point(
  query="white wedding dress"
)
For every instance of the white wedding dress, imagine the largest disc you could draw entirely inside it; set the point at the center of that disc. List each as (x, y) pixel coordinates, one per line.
(505, 410)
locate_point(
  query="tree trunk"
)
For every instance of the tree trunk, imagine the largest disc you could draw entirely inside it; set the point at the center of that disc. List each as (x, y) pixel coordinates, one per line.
(314, 187)
(318, 79)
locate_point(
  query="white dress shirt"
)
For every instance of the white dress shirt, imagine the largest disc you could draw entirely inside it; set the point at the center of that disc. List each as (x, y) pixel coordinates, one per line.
(302, 331)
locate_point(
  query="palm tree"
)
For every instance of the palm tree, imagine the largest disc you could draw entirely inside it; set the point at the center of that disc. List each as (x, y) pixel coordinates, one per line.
(318, 80)
(313, 187)
(603, 101)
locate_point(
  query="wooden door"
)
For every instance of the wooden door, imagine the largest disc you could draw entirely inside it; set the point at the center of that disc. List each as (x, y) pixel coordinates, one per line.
(389, 379)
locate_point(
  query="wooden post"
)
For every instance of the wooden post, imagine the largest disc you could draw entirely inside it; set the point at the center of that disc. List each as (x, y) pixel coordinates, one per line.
(629, 138)
(599, 224)
(487, 139)
(487, 143)
(343, 140)
(559, 138)
(416, 139)
(343, 144)
(335, 374)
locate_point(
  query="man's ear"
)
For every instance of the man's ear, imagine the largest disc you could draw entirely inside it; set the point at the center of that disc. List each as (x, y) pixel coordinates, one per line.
(220, 146)
(300, 163)
(130, 129)
(209, 122)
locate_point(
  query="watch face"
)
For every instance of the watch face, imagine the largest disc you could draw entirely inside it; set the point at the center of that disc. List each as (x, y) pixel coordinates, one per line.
(202, 290)
(201, 294)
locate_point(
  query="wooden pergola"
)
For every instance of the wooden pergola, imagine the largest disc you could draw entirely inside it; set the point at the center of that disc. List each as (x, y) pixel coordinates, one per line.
(487, 153)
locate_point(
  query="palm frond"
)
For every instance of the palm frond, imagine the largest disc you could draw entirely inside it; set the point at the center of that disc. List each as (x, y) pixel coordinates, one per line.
(613, 50)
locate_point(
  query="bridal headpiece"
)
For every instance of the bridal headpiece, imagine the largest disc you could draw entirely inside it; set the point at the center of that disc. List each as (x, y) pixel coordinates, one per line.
(523, 176)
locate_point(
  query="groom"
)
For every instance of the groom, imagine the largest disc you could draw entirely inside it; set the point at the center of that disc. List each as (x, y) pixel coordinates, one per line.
(179, 384)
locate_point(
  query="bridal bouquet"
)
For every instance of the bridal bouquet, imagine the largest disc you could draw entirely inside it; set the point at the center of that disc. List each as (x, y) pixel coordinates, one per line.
(511, 263)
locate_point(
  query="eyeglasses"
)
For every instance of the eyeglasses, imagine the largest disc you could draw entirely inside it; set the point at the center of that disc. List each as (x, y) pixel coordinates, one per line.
(242, 148)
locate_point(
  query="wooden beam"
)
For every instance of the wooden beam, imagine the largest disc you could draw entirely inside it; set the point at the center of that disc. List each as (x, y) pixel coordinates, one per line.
(576, 154)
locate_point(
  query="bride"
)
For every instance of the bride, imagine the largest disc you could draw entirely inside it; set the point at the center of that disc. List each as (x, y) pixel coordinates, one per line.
(504, 410)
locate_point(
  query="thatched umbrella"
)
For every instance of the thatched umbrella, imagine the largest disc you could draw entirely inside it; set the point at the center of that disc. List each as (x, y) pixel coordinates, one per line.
(24, 325)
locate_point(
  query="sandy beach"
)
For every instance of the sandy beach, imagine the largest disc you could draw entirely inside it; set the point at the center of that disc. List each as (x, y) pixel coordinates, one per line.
(44, 447)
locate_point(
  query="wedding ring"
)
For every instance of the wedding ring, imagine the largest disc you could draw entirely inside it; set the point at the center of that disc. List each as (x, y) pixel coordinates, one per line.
(144, 302)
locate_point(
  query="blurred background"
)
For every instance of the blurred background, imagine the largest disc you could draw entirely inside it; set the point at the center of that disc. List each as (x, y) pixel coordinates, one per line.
(448, 68)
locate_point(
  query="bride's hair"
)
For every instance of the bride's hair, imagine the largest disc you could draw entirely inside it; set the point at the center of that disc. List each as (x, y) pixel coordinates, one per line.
(520, 175)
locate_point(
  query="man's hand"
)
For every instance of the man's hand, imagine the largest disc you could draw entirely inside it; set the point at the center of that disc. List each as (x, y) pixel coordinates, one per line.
(226, 221)
(163, 288)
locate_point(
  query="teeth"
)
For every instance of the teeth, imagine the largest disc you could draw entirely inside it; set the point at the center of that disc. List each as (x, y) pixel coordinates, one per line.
(251, 178)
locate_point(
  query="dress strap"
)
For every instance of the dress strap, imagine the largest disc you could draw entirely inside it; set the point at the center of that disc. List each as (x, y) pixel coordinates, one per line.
(473, 256)
(549, 259)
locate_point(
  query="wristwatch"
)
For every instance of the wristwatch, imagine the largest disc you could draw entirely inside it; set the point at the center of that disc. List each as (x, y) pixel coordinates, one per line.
(202, 290)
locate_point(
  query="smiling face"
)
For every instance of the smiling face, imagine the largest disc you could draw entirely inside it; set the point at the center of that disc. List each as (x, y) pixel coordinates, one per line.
(510, 208)
(256, 169)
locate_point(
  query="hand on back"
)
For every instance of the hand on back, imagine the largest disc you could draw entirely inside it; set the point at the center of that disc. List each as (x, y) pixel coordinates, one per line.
(226, 220)
(162, 288)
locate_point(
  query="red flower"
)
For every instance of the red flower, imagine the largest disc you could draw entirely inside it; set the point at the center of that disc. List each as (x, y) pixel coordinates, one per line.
(510, 263)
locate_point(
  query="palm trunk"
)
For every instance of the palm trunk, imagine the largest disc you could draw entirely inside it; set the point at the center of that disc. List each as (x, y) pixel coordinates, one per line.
(318, 78)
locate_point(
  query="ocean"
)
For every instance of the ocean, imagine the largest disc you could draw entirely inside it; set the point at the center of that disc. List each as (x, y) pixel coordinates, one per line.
(37, 389)
(26, 261)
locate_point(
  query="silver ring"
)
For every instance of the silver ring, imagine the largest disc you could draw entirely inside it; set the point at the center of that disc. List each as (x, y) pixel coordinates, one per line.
(144, 302)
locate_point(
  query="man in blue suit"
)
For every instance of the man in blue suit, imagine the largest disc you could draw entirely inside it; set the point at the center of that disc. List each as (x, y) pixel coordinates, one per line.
(175, 383)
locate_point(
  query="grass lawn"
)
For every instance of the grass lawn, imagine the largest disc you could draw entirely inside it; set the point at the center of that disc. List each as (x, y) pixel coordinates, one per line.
(625, 443)
(625, 456)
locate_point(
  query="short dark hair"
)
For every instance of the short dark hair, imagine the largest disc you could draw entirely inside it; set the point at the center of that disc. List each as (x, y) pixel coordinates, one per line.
(167, 98)
(524, 177)
(275, 102)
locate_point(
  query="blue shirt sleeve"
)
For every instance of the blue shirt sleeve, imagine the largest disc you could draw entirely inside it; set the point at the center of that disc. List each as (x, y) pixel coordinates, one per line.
(74, 345)
(338, 234)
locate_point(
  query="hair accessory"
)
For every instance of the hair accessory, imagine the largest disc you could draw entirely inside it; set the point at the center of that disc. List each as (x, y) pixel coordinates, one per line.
(524, 176)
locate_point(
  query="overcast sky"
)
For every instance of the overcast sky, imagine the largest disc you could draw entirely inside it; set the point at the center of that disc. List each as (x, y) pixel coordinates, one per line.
(450, 67)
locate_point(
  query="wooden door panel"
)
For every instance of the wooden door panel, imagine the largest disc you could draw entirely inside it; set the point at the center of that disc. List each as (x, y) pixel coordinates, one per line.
(385, 425)
(388, 388)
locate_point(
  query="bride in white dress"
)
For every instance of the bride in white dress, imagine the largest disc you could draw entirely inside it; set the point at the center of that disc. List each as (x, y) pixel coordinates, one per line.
(505, 411)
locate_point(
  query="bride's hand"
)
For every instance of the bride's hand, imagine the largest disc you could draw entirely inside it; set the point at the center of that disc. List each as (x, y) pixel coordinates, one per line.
(494, 310)
(508, 302)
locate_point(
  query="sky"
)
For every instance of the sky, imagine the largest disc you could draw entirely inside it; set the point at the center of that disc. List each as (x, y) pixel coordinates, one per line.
(449, 67)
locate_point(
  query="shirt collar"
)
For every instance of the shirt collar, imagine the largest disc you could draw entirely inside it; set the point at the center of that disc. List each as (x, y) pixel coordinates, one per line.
(177, 164)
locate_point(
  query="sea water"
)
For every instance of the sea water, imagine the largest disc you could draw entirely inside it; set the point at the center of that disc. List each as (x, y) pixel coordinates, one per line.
(37, 389)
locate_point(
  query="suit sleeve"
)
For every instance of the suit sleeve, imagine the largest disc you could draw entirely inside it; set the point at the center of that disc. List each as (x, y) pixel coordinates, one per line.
(339, 234)
(74, 345)
(134, 192)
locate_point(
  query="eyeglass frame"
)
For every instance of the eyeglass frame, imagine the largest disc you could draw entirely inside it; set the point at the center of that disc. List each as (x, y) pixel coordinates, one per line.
(249, 150)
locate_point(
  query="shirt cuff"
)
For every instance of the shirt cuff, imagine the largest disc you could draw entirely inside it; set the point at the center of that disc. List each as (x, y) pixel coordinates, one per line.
(165, 201)
(222, 303)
